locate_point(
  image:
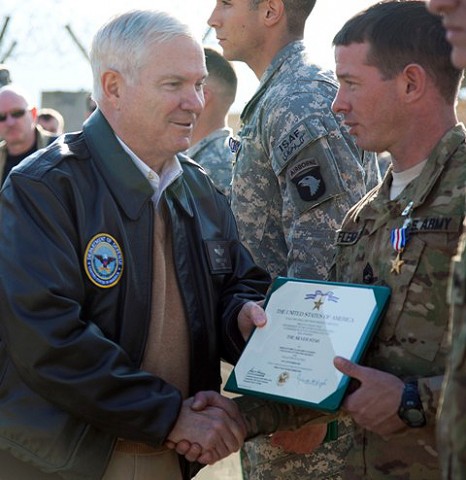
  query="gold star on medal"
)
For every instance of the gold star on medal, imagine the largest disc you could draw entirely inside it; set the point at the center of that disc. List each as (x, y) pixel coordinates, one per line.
(397, 264)
(318, 304)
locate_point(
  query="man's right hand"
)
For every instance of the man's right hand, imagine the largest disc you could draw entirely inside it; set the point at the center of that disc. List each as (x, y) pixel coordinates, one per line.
(207, 431)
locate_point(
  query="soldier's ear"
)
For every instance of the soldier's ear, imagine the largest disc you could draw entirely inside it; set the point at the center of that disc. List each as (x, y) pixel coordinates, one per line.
(413, 82)
(274, 12)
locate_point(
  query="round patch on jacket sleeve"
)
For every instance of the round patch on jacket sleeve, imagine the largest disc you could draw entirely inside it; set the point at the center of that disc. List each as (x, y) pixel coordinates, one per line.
(103, 260)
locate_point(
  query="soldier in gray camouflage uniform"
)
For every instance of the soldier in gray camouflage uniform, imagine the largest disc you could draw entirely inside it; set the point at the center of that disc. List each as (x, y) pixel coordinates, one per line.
(211, 136)
(297, 173)
(451, 429)
(397, 93)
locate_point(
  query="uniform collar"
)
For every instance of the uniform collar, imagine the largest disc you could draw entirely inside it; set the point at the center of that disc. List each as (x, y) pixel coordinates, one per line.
(201, 144)
(378, 207)
(288, 51)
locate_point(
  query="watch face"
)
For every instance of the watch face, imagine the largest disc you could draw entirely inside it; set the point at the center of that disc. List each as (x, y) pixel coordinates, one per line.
(414, 417)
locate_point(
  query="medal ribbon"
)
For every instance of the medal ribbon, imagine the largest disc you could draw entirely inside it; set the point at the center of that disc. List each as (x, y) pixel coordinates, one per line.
(399, 238)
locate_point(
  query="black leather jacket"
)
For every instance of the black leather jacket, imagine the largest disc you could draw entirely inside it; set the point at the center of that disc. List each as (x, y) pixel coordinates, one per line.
(70, 347)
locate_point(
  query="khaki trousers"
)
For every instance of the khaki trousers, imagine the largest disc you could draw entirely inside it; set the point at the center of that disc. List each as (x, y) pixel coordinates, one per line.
(123, 466)
(161, 465)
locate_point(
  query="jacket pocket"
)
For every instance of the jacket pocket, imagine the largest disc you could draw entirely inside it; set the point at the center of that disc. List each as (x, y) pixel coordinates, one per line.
(32, 429)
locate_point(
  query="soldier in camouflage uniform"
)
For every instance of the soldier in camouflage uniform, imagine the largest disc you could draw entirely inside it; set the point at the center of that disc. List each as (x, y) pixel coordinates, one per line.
(451, 429)
(397, 93)
(297, 173)
(211, 136)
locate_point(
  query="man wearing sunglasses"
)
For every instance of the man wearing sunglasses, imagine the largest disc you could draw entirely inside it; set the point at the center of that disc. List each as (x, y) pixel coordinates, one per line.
(21, 136)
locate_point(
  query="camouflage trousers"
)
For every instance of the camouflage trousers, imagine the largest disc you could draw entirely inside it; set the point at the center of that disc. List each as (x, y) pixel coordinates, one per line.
(260, 460)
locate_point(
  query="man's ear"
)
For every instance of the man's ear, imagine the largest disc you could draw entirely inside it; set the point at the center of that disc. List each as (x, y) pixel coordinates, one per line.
(413, 82)
(111, 86)
(273, 12)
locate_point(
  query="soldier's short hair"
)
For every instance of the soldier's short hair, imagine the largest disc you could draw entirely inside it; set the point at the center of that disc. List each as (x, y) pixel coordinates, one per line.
(400, 33)
(220, 69)
(297, 12)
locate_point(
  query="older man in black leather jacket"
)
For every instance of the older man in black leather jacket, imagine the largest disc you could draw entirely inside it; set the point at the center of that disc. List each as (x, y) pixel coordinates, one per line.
(81, 290)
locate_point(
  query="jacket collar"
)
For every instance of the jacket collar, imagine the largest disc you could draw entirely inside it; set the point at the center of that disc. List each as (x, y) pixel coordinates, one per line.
(128, 185)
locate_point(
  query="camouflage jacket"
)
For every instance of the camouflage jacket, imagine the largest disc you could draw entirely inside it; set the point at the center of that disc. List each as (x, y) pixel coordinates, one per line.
(297, 171)
(412, 341)
(452, 416)
(213, 153)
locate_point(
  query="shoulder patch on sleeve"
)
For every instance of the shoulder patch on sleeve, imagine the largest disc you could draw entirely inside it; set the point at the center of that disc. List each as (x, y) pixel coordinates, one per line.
(293, 142)
(307, 178)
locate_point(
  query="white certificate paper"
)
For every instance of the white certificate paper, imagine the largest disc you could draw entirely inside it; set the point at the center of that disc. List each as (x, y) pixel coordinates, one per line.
(308, 324)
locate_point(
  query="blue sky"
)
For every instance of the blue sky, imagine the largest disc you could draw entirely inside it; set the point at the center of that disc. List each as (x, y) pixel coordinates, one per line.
(46, 58)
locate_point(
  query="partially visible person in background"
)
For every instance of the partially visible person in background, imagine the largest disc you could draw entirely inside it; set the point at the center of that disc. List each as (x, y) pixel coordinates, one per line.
(211, 136)
(51, 120)
(5, 76)
(90, 105)
(451, 428)
(18, 129)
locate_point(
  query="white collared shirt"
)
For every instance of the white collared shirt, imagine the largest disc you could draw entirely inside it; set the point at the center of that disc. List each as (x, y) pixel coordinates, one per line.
(170, 172)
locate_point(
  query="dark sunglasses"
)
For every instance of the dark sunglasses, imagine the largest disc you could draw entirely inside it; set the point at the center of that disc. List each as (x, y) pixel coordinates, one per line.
(15, 114)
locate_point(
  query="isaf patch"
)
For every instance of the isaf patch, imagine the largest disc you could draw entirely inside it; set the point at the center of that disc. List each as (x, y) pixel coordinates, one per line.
(293, 142)
(307, 178)
(103, 261)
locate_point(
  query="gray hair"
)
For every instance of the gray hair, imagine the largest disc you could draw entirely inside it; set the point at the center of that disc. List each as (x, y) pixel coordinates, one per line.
(124, 42)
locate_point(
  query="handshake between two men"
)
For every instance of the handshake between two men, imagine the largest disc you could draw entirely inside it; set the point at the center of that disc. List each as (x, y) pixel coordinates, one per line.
(210, 427)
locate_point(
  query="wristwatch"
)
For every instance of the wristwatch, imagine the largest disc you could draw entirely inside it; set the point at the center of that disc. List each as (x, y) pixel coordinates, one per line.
(411, 411)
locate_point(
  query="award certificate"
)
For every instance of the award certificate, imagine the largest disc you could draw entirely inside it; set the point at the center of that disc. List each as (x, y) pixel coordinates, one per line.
(290, 359)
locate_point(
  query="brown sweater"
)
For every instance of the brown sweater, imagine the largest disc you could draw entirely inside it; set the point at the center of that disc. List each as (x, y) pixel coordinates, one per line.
(167, 347)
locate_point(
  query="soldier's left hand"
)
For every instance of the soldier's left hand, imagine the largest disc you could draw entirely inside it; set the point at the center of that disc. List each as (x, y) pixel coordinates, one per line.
(250, 316)
(374, 404)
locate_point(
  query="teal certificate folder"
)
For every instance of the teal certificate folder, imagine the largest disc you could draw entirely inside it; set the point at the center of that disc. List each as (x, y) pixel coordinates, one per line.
(308, 323)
